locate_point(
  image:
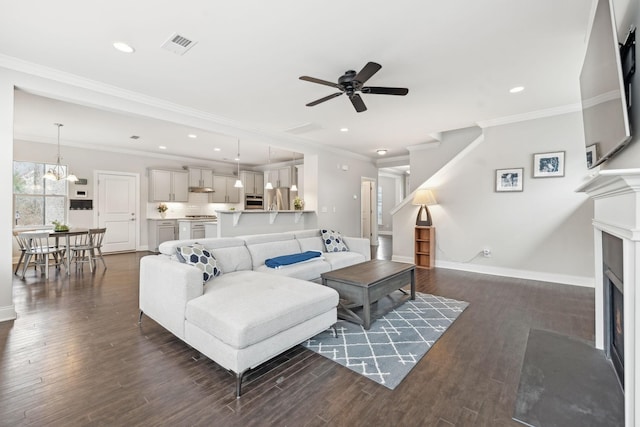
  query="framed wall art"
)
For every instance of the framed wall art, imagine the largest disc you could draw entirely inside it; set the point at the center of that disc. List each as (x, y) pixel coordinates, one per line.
(548, 165)
(509, 179)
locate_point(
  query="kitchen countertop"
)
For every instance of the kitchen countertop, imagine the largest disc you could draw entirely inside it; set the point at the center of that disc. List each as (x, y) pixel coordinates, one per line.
(260, 211)
(214, 220)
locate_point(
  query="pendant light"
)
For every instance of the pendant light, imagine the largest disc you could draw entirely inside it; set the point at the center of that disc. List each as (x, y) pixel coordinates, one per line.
(57, 173)
(294, 187)
(268, 185)
(238, 183)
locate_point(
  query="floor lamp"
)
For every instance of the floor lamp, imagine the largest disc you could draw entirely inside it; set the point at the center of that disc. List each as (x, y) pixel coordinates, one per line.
(424, 198)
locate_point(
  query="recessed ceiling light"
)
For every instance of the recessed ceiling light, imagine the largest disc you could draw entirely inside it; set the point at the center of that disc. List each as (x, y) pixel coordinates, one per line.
(381, 152)
(162, 147)
(192, 135)
(123, 47)
(344, 129)
(516, 89)
(216, 149)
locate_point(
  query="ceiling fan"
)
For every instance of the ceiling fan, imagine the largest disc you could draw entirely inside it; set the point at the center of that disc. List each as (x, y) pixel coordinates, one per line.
(350, 83)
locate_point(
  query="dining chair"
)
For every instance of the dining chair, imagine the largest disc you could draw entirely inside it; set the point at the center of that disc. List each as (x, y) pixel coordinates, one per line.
(38, 250)
(87, 248)
(22, 249)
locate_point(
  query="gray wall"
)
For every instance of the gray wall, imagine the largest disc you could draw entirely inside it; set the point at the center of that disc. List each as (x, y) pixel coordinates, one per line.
(389, 186)
(426, 160)
(543, 232)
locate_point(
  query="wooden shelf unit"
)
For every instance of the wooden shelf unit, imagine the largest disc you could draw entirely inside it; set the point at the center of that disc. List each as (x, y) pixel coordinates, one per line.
(425, 247)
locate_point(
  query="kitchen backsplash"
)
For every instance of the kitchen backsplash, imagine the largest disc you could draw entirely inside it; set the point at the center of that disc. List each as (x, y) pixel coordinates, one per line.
(198, 205)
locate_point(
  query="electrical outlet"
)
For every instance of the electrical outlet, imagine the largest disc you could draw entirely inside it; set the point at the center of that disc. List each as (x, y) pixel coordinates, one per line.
(486, 252)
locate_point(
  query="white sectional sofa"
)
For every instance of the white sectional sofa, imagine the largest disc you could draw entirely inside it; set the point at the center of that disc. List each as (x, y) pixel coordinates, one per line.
(251, 312)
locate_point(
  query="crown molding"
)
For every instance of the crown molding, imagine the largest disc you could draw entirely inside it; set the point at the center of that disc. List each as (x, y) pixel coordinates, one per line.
(532, 115)
(180, 113)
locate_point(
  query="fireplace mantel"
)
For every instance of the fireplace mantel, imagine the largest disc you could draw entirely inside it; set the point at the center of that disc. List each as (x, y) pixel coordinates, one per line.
(616, 196)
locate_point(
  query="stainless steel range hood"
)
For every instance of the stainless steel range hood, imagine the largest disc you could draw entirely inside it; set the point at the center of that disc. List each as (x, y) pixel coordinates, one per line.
(201, 190)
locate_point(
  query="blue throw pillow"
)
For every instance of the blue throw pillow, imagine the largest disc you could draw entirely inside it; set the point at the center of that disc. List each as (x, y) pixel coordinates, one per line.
(333, 241)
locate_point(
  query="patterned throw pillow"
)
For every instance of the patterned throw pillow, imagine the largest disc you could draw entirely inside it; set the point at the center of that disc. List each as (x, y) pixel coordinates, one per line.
(333, 241)
(198, 256)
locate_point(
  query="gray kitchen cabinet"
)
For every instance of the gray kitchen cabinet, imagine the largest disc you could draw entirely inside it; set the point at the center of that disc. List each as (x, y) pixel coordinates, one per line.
(199, 177)
(161, 231)
(279, 177)
(224, 190)
(168, 185)
(253, 183)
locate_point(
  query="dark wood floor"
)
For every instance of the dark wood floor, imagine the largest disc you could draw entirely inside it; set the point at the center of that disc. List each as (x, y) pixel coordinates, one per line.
(76, 356)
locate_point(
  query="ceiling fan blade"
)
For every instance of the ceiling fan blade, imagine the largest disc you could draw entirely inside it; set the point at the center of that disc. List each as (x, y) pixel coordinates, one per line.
(358, 103)
(319, 81)
(326, 98)
(385, 90)
(367, 71)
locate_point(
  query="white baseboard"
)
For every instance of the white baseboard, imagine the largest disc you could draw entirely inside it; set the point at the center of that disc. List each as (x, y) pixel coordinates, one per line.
(402, 259)
(385, 233)
(8, 313)
(564, 279)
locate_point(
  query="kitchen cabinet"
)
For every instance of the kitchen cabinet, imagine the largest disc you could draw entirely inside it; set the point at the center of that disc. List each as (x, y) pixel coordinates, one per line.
(161, 231)
(168, 185)
(224, 190)
(253, 182)
(279, 177)
(199, 177)
(189, 229)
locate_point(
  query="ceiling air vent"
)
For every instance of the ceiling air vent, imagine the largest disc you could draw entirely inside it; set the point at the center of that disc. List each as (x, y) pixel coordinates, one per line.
(178, 44)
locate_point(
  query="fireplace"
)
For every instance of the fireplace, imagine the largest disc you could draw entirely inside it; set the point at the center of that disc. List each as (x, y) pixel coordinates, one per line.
(616, 223)
(612, 258)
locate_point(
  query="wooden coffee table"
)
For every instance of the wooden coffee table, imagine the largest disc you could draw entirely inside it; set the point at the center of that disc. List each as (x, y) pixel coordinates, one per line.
(363, 285)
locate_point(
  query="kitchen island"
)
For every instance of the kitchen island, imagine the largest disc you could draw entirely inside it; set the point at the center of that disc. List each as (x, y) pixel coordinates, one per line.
(241, 223)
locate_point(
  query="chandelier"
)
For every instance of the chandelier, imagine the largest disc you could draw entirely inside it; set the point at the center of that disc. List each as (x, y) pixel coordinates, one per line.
(57, 173)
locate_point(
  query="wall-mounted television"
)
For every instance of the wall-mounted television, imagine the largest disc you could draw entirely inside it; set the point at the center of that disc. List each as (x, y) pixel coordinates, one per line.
(603, 90)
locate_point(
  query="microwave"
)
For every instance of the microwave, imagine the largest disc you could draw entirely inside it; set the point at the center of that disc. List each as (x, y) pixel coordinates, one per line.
(254, 202)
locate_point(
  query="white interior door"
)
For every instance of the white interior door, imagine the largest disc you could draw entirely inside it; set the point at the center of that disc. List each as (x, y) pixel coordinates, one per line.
(368, 217)
(118, 210)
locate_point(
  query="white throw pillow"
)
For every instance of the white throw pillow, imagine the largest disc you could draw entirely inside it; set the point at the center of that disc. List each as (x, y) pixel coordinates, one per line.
(200, 257)
(333, 241)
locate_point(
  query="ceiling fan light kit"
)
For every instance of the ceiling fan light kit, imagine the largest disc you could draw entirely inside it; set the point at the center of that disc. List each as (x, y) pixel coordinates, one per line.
(351, 82)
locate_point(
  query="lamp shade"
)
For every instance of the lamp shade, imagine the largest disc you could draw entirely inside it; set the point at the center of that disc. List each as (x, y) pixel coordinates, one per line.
(424, 197)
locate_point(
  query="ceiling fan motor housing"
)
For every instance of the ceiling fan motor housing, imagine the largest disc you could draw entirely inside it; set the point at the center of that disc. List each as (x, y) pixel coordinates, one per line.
(348, 84)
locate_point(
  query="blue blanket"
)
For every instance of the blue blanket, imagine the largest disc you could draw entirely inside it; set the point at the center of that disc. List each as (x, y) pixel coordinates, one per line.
(283, 260)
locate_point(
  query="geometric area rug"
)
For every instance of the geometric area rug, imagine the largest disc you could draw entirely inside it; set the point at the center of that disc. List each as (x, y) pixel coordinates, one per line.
(394, 343)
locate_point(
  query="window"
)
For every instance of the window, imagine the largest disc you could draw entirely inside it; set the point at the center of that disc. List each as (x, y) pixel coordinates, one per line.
(37, 201)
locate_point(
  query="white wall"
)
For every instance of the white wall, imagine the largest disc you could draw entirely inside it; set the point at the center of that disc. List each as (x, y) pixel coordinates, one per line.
(7, 310)
(543, 232)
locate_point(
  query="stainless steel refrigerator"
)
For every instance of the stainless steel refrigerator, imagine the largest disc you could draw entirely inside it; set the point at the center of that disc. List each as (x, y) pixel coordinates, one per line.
(278, 199)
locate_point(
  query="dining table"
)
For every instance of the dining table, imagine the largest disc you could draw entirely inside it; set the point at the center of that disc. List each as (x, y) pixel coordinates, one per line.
(66, 234)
